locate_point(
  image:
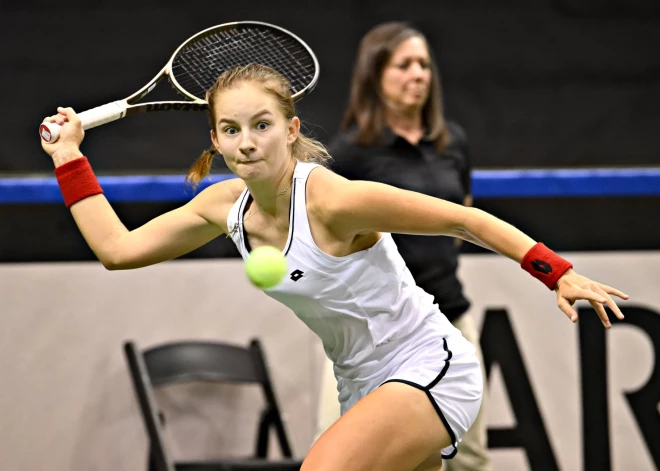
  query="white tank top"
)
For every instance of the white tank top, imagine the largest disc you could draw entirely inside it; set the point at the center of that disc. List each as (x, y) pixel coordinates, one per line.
(354, 303)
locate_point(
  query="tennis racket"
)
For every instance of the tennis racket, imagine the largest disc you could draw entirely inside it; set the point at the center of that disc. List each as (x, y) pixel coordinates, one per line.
(197, 63)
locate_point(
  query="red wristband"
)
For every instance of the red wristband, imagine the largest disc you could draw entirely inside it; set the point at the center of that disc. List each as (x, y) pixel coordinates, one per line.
(545, 265)
(77, 181)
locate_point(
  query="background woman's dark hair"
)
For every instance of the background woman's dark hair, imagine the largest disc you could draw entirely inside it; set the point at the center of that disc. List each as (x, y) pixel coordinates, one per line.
(365, 107)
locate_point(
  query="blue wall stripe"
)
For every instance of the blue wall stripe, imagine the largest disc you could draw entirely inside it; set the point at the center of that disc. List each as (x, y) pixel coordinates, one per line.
(485, 184)
(566, 183)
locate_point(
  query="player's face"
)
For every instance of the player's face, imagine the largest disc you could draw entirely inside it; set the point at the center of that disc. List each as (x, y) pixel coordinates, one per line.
(406, 79)
(252, 133)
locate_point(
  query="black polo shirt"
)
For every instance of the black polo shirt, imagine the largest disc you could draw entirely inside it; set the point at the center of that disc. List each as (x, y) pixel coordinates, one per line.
(432, 260)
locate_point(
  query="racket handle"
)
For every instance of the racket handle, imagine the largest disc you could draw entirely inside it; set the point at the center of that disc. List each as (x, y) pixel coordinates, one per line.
(50, 132)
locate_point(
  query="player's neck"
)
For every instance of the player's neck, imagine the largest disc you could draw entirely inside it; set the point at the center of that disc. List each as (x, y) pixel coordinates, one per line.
(273, 196)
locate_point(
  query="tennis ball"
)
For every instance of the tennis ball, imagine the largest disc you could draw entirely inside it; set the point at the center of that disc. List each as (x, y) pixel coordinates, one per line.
(265, 266)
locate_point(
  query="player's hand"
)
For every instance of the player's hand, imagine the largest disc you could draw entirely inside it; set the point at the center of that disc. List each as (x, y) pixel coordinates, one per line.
(572, 287)
(66, 148)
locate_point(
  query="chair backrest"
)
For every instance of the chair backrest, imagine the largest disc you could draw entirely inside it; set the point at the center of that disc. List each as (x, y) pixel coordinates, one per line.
(190, 361)
(203, 361)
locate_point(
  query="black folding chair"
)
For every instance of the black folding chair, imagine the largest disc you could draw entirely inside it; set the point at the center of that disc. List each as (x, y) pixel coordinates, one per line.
(191, 361)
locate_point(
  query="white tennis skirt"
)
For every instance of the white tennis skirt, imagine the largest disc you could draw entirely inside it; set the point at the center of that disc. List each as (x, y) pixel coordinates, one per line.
(436, 359)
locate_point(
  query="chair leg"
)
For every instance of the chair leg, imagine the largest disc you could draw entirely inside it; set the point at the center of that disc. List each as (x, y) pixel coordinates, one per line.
(262, 435)
(151, 461)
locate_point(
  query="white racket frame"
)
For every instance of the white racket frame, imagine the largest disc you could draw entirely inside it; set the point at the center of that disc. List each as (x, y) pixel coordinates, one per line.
(115, 110)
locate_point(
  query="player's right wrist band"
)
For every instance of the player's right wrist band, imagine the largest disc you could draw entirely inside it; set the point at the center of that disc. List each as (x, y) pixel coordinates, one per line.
(545, 265)
(77, 181)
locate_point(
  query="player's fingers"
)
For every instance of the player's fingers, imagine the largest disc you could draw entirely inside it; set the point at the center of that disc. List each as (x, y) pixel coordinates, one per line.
(614, 291)
(566, 306)
(602, 313)
(610, 303)
(56, 118)
(587, 294)
(70, 114)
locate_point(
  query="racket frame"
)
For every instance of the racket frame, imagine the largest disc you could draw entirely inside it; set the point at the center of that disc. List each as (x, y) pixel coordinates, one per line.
(128, 106)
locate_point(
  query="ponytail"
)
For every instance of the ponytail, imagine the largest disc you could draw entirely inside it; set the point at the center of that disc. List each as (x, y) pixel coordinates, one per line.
(201, 168)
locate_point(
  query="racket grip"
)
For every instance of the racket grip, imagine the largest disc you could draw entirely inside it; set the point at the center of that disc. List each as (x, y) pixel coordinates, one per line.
(50, 132)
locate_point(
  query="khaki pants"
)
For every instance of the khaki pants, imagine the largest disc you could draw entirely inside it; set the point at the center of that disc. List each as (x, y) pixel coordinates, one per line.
(472, 452)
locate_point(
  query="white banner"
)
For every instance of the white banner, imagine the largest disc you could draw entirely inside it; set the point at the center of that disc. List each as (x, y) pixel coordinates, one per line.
(564, 396)
(66, 401)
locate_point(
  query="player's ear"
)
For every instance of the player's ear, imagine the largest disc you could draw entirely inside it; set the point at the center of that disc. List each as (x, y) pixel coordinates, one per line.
(293, 131)
(214, 139)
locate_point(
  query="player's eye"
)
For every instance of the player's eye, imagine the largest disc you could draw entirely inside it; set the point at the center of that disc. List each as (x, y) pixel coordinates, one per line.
(262, 125)
(230, 130)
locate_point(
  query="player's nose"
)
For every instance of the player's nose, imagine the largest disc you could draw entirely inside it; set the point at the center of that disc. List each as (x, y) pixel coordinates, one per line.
(247, 145)
(246, 150)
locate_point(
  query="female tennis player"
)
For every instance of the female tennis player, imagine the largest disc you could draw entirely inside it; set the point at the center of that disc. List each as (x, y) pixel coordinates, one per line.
(410, 385)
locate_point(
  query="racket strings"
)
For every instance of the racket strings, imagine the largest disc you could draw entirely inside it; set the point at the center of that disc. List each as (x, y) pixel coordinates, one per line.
(198, 64)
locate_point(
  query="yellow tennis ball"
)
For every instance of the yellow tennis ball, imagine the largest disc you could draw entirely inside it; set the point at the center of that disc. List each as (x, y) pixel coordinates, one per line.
(266, 266)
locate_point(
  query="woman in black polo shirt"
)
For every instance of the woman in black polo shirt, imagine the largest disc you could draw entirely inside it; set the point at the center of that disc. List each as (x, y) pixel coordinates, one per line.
(394, 132)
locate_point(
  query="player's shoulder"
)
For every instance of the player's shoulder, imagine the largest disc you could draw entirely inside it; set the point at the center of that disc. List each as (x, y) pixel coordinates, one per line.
(232, 187)
(216, 200)
(323, 189)
(322, 179)
(214, 203)
(225, 191)
(333, 200)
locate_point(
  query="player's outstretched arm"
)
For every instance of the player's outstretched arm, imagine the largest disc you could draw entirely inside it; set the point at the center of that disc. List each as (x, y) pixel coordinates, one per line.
(359, 207)
(163, 238)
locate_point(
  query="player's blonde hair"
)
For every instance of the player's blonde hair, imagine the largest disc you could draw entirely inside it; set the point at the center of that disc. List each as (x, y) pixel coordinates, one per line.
(303, 148)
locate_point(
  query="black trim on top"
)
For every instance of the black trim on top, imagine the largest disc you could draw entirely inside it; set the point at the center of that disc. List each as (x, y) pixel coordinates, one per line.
(427, 390)
(292, 206)
(241, 218)
(292, 215)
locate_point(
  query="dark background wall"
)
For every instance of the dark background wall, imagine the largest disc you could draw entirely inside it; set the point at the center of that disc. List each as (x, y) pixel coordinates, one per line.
(564, 83)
